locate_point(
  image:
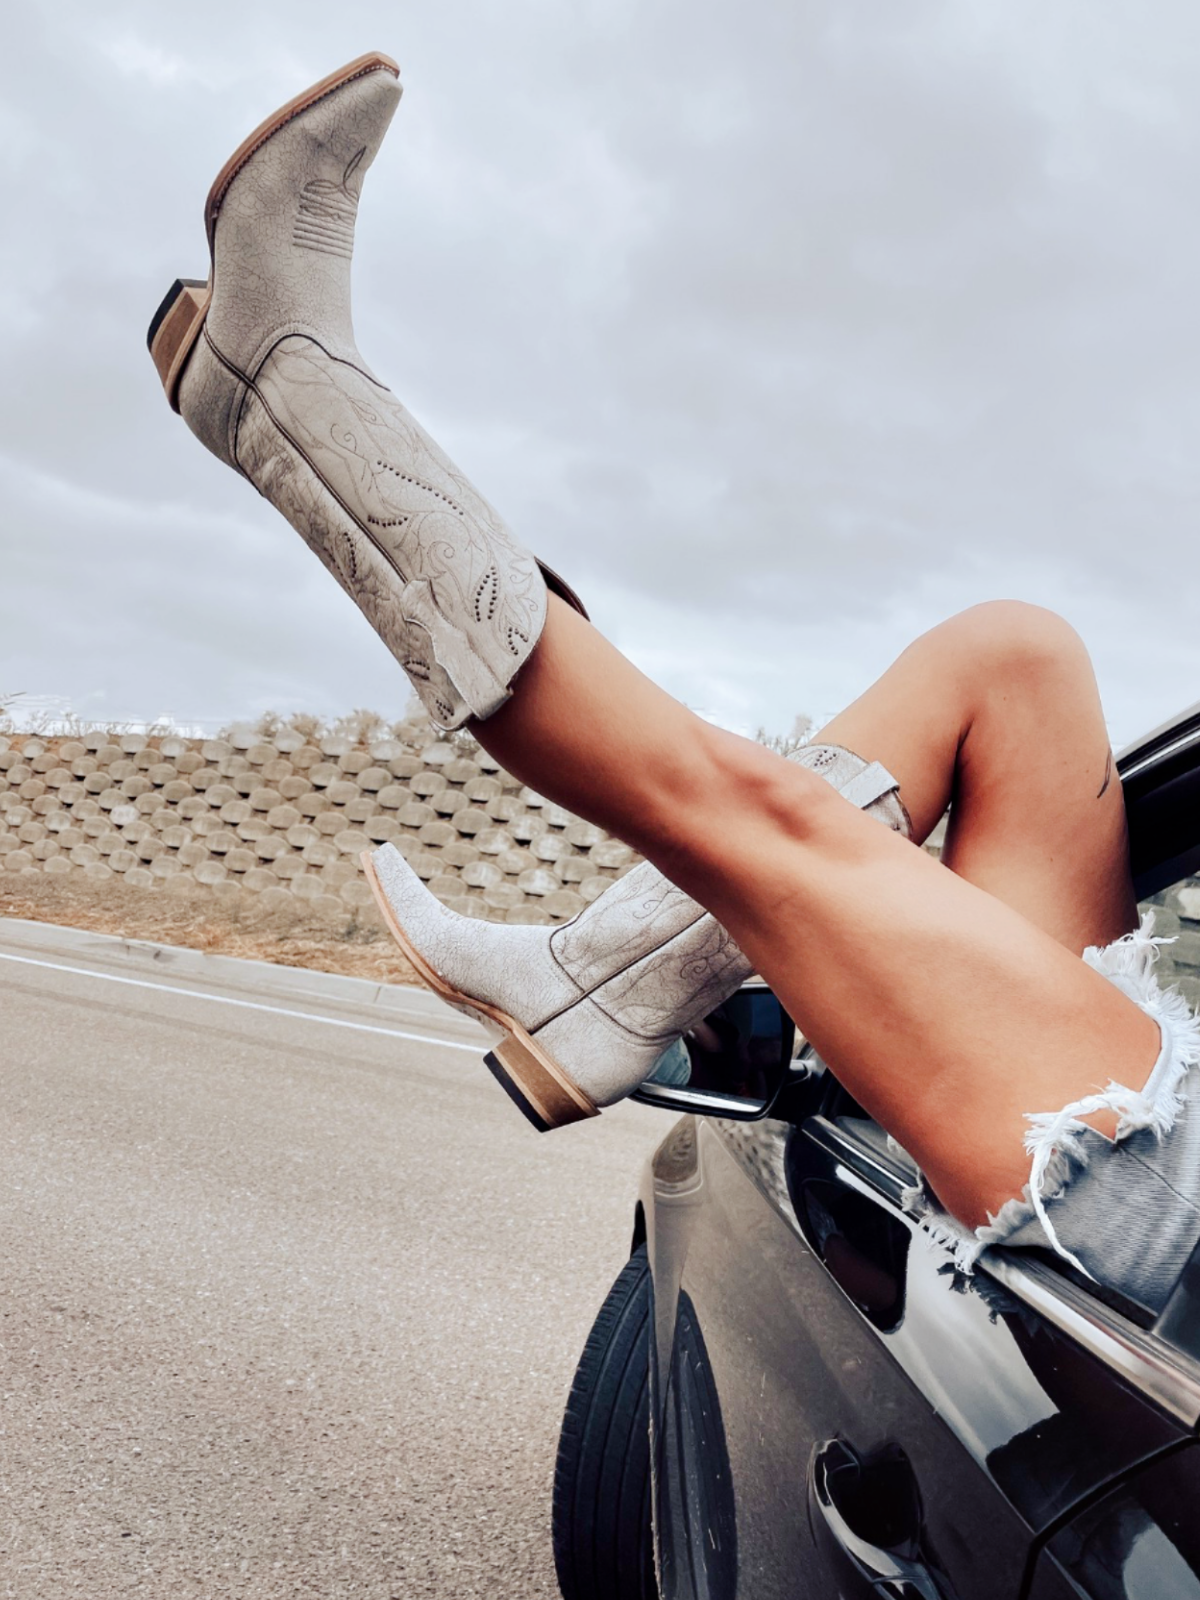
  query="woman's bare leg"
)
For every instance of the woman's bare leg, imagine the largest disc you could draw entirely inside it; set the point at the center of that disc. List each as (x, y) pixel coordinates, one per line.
(946, 1011)
(997, 709)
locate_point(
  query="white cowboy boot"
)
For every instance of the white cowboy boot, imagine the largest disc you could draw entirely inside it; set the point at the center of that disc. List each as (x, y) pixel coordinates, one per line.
(580, 1014)
(261, 361)
(262, 364)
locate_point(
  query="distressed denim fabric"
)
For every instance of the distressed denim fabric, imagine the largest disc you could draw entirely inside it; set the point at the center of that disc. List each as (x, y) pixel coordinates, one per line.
(1130, 1216)
(674, 1067)
(1124, 1211)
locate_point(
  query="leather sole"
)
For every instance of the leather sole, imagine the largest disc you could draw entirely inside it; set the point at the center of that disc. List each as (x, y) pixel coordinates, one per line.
(531, 1078)
(175, 326)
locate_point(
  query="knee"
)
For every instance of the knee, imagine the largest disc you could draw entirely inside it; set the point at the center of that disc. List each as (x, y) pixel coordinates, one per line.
(1006, 645)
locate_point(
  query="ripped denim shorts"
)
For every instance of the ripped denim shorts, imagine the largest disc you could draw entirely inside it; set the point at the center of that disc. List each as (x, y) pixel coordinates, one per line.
(1126, 1211)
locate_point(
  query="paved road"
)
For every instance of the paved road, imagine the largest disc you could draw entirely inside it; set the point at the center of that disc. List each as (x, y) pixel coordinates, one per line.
(289, 1301)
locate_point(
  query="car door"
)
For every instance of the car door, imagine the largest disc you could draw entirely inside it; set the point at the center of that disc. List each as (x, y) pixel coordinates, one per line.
(1140, 1542)
(840, 1413)
(836, 1411)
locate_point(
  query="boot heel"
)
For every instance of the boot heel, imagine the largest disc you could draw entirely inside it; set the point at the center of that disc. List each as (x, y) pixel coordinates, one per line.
(174, 330)
(533, 1081)
(548, 1099)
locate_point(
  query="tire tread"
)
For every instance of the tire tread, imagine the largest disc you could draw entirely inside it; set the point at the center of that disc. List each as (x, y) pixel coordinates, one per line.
(602, 1541)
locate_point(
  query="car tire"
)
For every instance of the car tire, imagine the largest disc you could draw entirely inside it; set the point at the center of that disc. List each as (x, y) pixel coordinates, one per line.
(603, 1545)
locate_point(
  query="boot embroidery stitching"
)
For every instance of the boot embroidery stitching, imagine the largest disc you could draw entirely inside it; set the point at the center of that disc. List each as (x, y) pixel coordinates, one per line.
(487, 595)
(325, 221)
(511, 609)
(404, 477)
(665, 978)
(338, 551)
(269, 132)
(586, 942)
(654, 903)
(634, 961)
(359, 407)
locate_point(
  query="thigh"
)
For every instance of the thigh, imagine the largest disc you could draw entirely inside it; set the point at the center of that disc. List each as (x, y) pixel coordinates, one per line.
(996, 713)
(948, 1014)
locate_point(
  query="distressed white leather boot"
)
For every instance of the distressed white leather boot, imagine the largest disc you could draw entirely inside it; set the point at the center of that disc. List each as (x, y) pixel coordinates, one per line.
(262, 363)
(581, 1013)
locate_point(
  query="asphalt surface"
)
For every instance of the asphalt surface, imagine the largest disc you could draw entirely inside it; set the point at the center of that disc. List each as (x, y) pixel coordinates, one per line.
(290, 1301)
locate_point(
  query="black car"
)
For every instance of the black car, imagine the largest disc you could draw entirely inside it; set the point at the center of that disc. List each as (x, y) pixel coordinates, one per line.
(790, 1392)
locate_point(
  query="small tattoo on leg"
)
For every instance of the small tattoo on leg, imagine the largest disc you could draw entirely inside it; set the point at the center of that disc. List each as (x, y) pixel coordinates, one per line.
(1107, 775)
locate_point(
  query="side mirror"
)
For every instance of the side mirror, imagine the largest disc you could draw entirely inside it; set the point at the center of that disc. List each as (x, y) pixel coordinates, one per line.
(733, 1064)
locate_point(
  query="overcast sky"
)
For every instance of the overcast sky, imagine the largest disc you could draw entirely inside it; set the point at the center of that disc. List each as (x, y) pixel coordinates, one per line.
(783, 329)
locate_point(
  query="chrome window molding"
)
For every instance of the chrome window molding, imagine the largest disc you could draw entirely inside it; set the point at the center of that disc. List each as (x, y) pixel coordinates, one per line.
(1162, 1373)
(1136, 767)
(1146, 752)
(884, 1173)
(1159, 1371)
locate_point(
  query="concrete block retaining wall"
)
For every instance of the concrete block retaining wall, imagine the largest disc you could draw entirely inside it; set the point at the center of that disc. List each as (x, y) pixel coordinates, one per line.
(285, 818)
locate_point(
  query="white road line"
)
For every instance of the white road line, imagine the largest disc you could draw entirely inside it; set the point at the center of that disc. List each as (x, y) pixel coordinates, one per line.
(248, 1005)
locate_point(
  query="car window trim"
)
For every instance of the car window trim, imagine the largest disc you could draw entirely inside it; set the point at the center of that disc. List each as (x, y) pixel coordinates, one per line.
(1162, 1373)
(1168, 739)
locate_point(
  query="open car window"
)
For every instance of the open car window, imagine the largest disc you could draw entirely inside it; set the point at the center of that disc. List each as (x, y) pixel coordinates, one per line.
(1162, 790)
(1159, 1355)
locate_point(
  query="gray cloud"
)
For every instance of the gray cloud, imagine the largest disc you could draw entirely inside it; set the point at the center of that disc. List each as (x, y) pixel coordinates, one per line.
(782, 332)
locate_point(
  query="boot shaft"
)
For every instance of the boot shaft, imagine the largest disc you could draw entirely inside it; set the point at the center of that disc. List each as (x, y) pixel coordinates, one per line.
(275, 387)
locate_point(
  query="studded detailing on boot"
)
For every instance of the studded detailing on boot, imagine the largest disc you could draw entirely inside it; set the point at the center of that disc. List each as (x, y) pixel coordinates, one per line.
(262, 364)
(581, 1013)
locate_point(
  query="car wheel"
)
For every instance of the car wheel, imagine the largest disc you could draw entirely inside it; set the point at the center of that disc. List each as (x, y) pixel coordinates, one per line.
(603, 1546)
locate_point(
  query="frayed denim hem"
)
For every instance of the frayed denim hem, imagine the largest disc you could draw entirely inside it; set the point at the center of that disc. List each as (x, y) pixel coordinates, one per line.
(1053, 1141)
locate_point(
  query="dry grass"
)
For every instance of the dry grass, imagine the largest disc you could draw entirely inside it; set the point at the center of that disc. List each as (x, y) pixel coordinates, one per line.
(360, 946)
